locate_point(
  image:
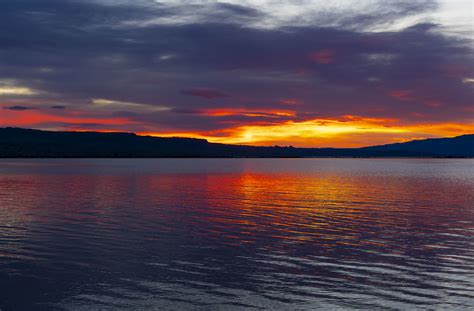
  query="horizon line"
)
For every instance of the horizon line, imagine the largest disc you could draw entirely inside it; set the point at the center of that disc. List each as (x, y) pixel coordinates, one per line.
(218, 143)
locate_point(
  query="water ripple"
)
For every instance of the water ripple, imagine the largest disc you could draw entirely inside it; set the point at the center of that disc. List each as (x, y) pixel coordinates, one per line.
(236, 234)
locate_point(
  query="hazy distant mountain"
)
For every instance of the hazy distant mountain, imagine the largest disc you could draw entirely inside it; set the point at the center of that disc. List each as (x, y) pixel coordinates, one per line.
(25, 143)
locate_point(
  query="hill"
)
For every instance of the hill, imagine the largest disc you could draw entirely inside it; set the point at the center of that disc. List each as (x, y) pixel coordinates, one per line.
(27, 143)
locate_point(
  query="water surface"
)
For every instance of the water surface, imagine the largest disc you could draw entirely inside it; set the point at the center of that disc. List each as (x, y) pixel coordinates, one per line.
(231, 234)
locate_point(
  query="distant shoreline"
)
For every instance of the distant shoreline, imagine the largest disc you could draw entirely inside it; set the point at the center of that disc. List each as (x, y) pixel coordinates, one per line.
(17, 143)
(223, 158)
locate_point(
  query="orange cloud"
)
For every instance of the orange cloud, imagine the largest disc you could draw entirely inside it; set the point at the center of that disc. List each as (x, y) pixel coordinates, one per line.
(325, 56)
(401, 94)
(247, 112)
(31, 118)
(289, 101)
(433, 103)
(409, 95)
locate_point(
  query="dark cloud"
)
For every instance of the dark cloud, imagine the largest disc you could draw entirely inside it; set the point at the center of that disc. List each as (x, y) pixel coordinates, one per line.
(19, 108)
(205, 93)
(239, 10)
(58, 107)
(154, 53)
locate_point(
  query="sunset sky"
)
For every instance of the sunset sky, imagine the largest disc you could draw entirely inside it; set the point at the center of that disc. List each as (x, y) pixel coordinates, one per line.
(261, 72)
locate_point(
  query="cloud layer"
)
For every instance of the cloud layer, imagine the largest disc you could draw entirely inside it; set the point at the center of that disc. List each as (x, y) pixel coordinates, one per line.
(233, 71)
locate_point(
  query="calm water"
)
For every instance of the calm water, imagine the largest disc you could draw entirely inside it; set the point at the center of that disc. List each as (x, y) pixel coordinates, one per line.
(230, 234)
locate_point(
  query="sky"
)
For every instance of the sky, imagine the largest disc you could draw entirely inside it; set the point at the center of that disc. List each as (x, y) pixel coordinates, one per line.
(304, 73)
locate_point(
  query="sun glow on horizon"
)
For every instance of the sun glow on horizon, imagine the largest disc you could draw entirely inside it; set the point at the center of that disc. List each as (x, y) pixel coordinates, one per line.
(352, 131)
(271, 127)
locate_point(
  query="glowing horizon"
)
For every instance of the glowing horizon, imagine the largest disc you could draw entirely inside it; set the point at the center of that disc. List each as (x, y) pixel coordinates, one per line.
(346, 131)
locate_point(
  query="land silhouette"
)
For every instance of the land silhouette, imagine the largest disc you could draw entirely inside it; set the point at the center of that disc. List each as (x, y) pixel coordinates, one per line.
(29, 143)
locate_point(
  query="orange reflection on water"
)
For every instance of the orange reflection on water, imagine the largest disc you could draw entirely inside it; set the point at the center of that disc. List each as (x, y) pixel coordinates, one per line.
(310, 209)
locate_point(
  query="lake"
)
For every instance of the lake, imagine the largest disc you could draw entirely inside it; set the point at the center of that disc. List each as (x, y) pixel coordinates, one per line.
(233, 234)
